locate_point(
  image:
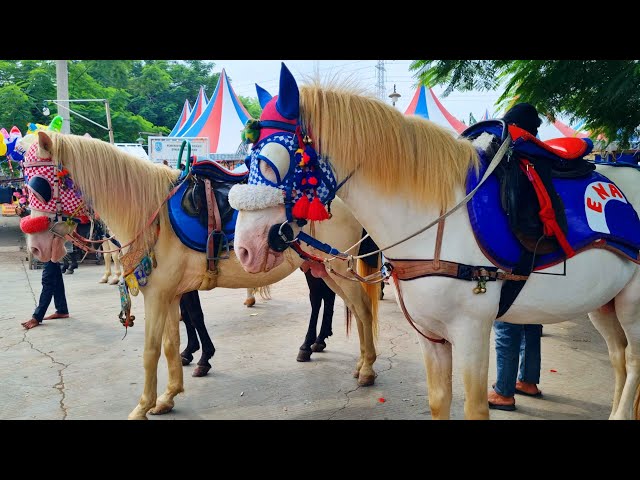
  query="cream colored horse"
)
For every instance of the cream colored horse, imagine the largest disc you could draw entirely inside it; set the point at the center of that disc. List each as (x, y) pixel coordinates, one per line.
(137, 188)
(109, 277)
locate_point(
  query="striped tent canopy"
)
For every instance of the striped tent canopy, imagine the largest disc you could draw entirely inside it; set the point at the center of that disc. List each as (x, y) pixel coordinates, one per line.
(196, 112)
(425, 104)
(186, 111)
(222, 120)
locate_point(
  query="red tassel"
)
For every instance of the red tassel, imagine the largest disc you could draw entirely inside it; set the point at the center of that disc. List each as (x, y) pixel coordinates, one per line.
(301, 208)
(317, 212)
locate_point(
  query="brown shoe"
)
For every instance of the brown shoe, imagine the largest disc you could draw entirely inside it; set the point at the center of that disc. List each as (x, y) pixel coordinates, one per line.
(528, 389)
(499, 402)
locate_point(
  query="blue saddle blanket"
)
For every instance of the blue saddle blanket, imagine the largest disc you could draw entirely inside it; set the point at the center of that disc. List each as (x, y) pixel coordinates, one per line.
(596, 210)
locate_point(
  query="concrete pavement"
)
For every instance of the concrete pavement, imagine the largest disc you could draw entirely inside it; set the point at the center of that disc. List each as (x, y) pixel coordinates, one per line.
(82, 368)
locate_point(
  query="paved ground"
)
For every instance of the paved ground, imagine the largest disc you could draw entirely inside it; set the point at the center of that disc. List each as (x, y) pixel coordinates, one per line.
(82, 368)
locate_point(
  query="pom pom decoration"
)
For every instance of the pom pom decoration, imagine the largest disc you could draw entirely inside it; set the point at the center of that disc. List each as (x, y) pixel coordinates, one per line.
(301, 208)
(251, 131)
(31, 224)
(317, 211)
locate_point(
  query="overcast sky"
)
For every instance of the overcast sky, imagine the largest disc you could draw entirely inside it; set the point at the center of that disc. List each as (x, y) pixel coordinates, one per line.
(244, 74)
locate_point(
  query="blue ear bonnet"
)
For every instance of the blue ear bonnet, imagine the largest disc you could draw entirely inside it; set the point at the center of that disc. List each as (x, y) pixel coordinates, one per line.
(290, 180)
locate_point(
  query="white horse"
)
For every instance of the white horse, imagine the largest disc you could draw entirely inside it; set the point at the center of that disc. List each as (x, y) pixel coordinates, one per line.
(402, 173)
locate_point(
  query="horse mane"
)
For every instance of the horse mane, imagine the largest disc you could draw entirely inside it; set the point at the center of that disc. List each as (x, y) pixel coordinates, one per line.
(123, 189)
(401, 155)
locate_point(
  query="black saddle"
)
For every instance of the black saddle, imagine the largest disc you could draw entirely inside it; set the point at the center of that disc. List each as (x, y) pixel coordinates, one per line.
(194, 199)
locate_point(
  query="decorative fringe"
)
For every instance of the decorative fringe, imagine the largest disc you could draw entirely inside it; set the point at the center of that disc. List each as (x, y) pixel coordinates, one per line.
(301, 208)
(317, 211)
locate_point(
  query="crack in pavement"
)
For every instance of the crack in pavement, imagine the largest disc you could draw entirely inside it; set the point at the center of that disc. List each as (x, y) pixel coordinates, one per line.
(346, 403)
(60, 385)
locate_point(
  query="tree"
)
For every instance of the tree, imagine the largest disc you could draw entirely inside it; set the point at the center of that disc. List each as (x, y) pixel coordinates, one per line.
(603, 93)
(252, 105)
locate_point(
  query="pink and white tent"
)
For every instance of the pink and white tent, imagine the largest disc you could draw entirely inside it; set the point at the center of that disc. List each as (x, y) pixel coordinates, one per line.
(222, 120)
(198, 108)
(186, 111)
(426, 104)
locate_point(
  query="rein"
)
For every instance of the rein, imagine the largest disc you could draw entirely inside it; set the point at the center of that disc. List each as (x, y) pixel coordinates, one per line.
(77, 240)
(344, 256)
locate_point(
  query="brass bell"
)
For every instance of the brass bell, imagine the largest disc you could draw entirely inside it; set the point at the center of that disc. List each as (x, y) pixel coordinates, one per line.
(476, 290)
(483, 290)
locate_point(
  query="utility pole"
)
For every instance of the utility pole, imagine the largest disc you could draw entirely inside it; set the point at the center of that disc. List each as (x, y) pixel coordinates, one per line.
(381, 80)
(62, 81)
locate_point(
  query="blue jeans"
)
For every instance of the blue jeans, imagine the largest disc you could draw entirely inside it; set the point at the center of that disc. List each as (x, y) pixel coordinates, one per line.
(52, 287)
(516, 343)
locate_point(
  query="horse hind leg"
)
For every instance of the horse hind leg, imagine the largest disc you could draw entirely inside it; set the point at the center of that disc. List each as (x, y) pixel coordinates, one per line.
(171, 344)
(251, 299)
(606, 322)
(627, 308)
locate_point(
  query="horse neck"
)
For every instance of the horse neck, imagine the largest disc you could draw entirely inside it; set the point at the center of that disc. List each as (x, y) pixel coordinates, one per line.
(389, 219)
(124, 190)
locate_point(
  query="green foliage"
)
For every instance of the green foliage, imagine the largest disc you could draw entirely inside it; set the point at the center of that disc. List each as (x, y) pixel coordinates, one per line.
(143, 95)
(252, 105)
(603, 93)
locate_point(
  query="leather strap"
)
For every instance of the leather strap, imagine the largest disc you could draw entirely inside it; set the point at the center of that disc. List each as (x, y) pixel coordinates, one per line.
(406, 314)
(436, 254)
(213, 225)
(412, 269)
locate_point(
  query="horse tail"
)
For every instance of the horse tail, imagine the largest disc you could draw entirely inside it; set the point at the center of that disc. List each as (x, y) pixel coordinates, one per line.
(636, 408)
(265, 292)
(372, 290)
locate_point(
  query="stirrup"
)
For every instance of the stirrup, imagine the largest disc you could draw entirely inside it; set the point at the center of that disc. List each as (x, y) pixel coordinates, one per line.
(224, 244)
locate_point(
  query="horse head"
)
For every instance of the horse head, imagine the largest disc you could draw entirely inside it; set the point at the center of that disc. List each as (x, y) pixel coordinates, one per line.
(52, 199)
(289, 183)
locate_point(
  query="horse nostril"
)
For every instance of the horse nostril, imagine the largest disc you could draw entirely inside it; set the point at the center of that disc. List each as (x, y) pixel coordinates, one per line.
(35, 252)
(243, 255)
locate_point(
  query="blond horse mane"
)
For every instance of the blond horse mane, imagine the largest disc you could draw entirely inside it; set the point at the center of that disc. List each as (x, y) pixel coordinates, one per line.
(399, 154)
(125, 190)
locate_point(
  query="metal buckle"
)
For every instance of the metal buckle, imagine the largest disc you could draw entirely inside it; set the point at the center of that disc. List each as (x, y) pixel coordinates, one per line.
(62, 229)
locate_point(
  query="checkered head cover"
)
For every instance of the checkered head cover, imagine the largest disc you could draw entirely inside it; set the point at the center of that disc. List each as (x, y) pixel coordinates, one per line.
(42, 176)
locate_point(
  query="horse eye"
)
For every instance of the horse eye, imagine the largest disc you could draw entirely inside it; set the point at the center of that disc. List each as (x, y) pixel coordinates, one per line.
(275, 161)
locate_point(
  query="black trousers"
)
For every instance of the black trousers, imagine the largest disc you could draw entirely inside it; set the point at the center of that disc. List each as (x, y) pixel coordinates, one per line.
(319, 292)
(52, 287)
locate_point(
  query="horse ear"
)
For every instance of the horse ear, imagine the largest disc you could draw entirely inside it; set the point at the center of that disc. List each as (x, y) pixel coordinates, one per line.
(263, 96)
(288, 104)
(45, 141)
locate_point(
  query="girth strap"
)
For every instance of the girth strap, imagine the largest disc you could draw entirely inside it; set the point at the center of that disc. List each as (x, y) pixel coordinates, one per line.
(213, 225)
(412, 269)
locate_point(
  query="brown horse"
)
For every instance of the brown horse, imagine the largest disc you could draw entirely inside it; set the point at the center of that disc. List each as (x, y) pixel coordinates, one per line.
(127, 191)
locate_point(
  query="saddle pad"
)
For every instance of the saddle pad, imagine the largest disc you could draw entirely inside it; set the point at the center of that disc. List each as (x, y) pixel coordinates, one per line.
(189, 229)
(595, 207)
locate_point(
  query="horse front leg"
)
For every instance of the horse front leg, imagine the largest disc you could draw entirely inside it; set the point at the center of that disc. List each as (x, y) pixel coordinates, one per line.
(154, 321)
(107, 266)
(471, 354)
(171, 344)
(438, 367)
(116, 266)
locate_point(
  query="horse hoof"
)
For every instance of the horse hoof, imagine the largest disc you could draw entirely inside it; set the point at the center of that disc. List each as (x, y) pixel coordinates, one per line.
(186, 360)
(201, 371)
(366, 380)
(303, 355)
(356, 373)
(103, 280)
(161, 409)
(250, 302)
(318, 346)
